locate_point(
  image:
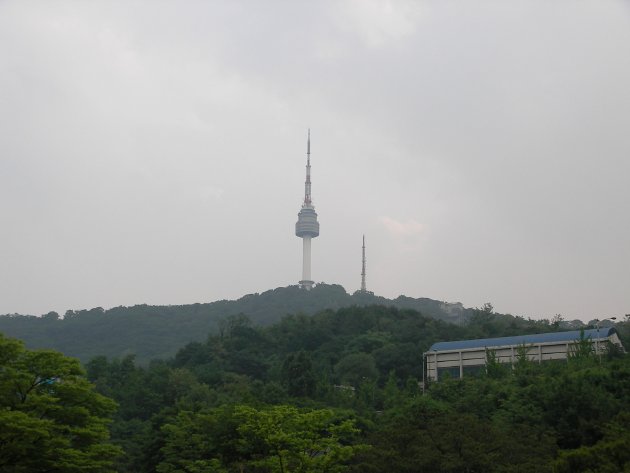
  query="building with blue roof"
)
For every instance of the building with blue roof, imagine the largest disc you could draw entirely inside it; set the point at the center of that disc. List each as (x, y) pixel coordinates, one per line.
(463, 357)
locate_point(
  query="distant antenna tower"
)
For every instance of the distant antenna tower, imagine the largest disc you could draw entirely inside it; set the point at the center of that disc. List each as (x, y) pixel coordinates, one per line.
(363, 288)
(307, 226)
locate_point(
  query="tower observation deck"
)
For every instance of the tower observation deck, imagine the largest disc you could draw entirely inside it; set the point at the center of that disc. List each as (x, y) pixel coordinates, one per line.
(307, 226)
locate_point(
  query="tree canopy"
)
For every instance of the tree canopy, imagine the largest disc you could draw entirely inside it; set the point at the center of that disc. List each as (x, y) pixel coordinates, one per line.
(340, 391)
(151, 332)
(51, 418)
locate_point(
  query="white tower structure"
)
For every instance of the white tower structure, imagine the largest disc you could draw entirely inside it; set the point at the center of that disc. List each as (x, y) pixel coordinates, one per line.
(363, 288)
(307, 226)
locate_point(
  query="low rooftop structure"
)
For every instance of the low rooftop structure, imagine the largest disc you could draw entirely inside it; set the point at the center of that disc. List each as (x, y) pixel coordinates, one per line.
(469, 356)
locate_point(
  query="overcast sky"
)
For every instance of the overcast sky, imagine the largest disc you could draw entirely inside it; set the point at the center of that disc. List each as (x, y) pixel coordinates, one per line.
(154, 151)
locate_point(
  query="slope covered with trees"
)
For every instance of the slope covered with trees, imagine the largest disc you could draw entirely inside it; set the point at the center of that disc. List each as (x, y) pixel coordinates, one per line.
(151, 332)
(336, 391)
(243, 400)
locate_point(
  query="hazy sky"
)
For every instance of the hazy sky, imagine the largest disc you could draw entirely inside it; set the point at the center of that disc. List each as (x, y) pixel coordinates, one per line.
(154, 151)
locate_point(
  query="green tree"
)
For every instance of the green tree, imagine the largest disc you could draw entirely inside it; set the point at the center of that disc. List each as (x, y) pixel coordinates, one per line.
(292, 441)
(522, 364)
(51, 419)
(609, 455)
(298, 375)
(391, 393)
(242, 438)
(355, 368)
(494, 368)
(428, 436)
(195, 442)
(582, 348)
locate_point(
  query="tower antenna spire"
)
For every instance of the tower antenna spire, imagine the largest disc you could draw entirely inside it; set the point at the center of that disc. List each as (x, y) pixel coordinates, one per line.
(363, 288)
(307, 183)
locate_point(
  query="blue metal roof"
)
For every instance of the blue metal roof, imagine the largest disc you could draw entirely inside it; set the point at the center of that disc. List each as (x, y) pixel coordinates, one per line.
(571, 336)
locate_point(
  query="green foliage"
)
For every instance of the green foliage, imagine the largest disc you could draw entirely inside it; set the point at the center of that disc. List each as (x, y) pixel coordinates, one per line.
(494, 368)
(151, 332)
(391, 393)
(200, 442)
(250, 398)
(429, 436)
(289, 440)
(298, 375)
(610, 455)
(355, 368)
(582, 348)
(523, 365)
(51, 419)
(271, 439)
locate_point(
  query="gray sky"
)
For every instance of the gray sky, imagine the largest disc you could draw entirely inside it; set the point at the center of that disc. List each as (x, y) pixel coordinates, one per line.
(153, 151)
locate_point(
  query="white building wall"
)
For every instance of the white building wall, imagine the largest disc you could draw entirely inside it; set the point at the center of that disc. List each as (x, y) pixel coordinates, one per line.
(455, 361)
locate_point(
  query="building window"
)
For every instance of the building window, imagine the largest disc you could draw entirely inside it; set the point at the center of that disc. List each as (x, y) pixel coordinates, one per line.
(446, 373)
(474, 370)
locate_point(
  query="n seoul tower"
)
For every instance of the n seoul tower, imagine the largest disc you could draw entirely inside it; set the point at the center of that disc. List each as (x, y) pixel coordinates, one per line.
(307, 226)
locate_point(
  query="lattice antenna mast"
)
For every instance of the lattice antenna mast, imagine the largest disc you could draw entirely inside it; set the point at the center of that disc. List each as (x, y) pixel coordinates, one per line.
(363, 288)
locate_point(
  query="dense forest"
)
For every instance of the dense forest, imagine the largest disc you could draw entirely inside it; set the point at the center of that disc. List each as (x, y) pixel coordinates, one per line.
(336, 391)
(151, 332)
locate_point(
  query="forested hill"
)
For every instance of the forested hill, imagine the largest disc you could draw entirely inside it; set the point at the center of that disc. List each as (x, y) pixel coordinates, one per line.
(151, 332)
(338, 391)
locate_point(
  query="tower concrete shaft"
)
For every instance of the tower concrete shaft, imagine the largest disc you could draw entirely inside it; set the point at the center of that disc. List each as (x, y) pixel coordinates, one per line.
(307, 226)
(306, 262)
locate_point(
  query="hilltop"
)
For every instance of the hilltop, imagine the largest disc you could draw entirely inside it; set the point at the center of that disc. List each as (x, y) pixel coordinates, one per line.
(151, 332)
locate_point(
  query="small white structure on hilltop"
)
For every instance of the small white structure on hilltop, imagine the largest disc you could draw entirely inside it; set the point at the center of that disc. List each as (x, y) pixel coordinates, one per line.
(467, 357)
(307, 226)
